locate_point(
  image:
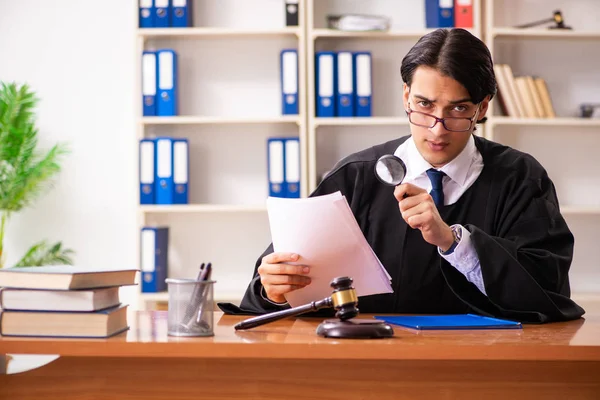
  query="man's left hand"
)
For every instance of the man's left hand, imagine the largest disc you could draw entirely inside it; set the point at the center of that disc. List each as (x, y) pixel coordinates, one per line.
(419, 211)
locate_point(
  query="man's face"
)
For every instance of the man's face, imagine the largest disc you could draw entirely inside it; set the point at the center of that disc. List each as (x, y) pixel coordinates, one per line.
(441, 96)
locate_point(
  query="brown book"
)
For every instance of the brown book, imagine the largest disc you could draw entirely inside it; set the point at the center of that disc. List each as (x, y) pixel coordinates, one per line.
(542, 89)
(525, 95)
(505, 96)
(99, 324)
(516, 95)
(65, 277)
(59, 300)
(537, 102)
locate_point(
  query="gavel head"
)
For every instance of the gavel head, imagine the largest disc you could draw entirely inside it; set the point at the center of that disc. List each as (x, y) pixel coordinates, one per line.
(344, 298)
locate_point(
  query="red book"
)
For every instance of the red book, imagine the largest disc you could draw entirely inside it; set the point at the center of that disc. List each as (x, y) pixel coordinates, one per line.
(463, 13)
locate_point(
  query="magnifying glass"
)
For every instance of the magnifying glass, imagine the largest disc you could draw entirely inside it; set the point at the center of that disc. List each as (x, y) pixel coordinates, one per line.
(390, 170)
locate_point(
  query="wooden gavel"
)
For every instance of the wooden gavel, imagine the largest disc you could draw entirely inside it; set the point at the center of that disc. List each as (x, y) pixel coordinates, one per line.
(343, 299)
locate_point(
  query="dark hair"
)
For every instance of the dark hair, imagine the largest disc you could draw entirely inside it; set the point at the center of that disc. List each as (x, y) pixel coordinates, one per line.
(455, 53)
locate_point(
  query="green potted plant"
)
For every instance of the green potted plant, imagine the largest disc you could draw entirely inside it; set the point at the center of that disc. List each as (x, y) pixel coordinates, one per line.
(26, 172)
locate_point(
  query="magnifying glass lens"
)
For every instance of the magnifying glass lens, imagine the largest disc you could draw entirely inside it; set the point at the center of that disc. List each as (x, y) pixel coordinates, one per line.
(390, 170)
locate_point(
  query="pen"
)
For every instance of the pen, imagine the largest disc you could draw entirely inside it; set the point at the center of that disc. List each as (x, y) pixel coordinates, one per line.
(191, 308)
(206, 277)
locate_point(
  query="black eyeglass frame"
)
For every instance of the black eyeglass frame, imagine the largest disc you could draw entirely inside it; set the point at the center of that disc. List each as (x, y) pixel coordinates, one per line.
(443, 120)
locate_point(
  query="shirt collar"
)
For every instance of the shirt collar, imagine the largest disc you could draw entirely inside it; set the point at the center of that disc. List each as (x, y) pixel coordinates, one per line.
(457, 169)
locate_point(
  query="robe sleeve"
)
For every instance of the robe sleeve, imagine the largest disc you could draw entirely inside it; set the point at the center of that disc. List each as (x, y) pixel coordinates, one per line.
(525, 263)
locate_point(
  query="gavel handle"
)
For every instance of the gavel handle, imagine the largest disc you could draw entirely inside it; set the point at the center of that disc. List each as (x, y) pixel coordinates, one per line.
(277, 315)
(535, 23)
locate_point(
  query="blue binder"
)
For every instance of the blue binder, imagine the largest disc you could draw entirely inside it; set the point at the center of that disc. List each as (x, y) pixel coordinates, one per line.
(154, 258)
(345, 84)
(276, 166)
(149, 66)
(452, 321)
(163, 182)
(363, 83)
(291, 155)
(439, 13)
(180, 171)
(325, 80)
(289, 81)
(162, 14)
(147, 171)
(181, 13)
(146, 15)
(167, 83)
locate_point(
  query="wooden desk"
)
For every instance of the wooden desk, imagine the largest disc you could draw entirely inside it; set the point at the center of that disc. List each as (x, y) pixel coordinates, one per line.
(287, 360)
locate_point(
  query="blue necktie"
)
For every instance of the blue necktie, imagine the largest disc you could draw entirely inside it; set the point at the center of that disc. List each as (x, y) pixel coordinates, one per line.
(437, 192)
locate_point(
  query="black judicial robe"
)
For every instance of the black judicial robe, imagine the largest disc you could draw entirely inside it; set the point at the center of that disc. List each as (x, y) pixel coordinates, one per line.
(523, 243)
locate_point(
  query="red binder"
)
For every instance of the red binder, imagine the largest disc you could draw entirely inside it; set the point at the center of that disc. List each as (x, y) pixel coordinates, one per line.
(463, 13)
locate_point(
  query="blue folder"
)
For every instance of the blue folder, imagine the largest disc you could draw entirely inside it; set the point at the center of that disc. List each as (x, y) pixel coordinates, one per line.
(154, 258)
(146, 16)
(167, 84)
(452, 321)
(439, 14)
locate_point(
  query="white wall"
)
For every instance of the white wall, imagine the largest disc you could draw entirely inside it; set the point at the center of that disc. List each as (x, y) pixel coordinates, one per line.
(79, 57)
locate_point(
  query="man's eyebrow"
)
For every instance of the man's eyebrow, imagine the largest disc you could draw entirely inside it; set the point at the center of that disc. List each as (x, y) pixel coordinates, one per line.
(465, 100)
(418, 96)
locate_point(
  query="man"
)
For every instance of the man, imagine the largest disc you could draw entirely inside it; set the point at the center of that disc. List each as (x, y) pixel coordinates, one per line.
(475, 226)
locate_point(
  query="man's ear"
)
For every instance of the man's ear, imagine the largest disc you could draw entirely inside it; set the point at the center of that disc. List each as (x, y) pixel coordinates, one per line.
(485, 103)
(405, 94)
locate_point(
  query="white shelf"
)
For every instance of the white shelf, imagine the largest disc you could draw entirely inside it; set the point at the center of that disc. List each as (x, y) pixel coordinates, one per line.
(392, 34)
(545, 33)
(193, 120)
(580, 210)
(164, 297)
(201, 208)
(215, 32)
(498, 121)
(332, 33)
(360, 121)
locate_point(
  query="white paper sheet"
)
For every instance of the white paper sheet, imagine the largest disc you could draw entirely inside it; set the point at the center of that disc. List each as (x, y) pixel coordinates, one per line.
(324, 232)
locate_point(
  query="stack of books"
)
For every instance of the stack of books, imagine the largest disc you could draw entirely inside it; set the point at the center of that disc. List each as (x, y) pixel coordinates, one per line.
(63, 301)
(522, 96)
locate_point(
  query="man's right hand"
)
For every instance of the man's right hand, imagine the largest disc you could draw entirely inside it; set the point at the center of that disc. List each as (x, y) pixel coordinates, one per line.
(279, 278)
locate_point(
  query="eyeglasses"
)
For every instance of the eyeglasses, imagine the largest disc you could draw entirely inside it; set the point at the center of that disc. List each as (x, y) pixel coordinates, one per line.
(453, 124)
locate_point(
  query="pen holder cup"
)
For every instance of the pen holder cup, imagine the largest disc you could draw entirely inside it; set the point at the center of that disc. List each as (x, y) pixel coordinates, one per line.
(191, 307)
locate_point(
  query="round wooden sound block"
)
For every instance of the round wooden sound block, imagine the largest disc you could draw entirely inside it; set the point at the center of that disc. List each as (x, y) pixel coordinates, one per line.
(355, 329)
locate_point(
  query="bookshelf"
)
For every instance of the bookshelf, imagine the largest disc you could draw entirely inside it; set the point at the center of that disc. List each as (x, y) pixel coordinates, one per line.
(229, 105)
(565, 145)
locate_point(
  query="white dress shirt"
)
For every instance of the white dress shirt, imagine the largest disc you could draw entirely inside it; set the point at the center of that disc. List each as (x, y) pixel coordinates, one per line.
(461, 173)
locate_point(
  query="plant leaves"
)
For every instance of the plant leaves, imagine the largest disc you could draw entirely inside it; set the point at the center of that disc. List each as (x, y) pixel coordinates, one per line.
(43, 254)
(25, 172)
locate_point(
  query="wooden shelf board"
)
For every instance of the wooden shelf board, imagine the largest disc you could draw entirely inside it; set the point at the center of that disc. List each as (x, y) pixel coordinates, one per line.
(545, 33)
(499, 121)
(360, 121)
(164, 297)
(391, 34)
(580, 210)
(215, 32)
(200, 208)
(198, 120)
